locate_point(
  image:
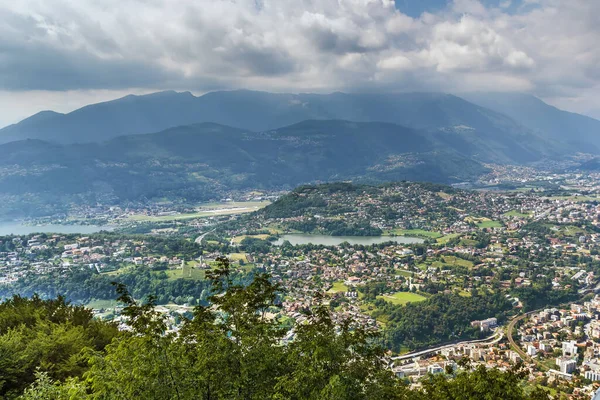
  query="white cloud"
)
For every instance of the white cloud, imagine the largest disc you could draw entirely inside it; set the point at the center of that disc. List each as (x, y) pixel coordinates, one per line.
(65, 48)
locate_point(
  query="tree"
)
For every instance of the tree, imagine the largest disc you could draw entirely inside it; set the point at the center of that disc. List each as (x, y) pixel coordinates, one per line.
(47, 336)
(232, 350)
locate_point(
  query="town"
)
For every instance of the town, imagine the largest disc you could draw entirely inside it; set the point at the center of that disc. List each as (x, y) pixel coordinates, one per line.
(496, 278)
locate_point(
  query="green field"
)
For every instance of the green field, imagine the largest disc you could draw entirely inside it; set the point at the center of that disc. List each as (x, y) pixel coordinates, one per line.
(447, 261)
(402, 298)
(570, 230)
(445, 239)
(416, 232)
(489, 224)
(186, 272)
(338, 287)
(451, 260)
(237, 257)
(238, 239)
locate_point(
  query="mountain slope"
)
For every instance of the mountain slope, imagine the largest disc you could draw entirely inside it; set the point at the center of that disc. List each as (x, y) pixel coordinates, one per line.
(579, 132)
(448, 116)
(202, 161)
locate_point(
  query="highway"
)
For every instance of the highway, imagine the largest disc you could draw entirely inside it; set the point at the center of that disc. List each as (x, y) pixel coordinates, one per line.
(495, 338)
(201, 237)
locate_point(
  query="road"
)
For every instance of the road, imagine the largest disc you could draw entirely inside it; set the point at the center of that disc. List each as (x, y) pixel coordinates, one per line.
(495, 338)
(515, 346)
(509, 334)
(201, 237)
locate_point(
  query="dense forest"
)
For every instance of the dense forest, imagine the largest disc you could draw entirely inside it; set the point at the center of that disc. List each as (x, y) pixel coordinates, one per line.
(440, 318)
(82, 286)
(230, 350)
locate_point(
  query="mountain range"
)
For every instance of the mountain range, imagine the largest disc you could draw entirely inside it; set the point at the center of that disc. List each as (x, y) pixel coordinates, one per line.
(491, 113)
(179, 146)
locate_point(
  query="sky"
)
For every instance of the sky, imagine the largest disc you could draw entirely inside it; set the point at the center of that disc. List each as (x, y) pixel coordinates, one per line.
(63, 54)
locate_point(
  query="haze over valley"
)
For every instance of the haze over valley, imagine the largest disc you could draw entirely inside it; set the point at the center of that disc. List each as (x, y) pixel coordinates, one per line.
(188, 148)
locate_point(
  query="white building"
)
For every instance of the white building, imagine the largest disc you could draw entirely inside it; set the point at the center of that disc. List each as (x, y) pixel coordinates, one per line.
(569, 348)
(566, 365)
(592, 375)
(487, 324)
(435, 369)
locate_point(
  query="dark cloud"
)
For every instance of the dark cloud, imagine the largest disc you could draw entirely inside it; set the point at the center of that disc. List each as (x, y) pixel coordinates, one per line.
(546, 47)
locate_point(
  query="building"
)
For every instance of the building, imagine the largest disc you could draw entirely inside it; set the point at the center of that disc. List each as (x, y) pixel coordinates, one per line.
(488, 324)
(569, 348)
(566, 365)
(435, 369)
(592, 375)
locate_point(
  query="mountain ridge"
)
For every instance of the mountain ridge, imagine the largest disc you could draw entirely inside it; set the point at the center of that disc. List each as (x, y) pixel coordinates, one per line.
(258, 111)
(198, 162)
(577, 131)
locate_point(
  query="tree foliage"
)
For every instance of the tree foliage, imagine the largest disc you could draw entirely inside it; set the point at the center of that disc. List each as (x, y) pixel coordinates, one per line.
(230, 349)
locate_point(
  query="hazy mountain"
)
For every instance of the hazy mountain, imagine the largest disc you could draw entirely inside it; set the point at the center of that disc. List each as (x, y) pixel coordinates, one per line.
(261, 111)
(199, 162)
(579, 132)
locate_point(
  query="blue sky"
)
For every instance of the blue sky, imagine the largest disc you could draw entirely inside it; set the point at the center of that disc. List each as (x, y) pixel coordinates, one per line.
(415, 8)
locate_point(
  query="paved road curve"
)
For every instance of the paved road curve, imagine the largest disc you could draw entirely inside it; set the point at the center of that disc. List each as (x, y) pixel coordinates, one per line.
(201, 237)
(509, 333)
(495, 338)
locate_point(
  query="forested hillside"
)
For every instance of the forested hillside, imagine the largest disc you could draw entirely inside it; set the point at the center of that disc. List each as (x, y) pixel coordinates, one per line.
(203, 162)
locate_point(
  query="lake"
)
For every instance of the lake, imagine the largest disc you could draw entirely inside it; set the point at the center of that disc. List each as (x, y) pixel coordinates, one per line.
(16, 228)
(298, 239)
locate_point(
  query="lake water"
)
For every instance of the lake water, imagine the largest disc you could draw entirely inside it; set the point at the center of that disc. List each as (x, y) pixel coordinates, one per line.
(299, 239)
(16, 228)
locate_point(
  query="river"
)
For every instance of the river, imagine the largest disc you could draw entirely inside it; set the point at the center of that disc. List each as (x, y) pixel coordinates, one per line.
(17, 228)
(298, 239)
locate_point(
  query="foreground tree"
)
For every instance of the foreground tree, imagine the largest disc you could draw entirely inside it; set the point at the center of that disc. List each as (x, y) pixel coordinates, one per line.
(48, 336)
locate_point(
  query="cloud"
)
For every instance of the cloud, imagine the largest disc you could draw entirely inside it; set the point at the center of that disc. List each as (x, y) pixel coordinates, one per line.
(546, 47)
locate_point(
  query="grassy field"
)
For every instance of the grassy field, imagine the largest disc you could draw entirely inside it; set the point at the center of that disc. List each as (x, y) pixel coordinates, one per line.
(338, 287)
(206, 210)
(275, 229)
(237, 257)
(447, 261)
(416, 232)
(483, 222)
(451, 260)
(186, 272)
(571, 230)
(238, 239)
(489, 224)
(401, 298)
(445, 239)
